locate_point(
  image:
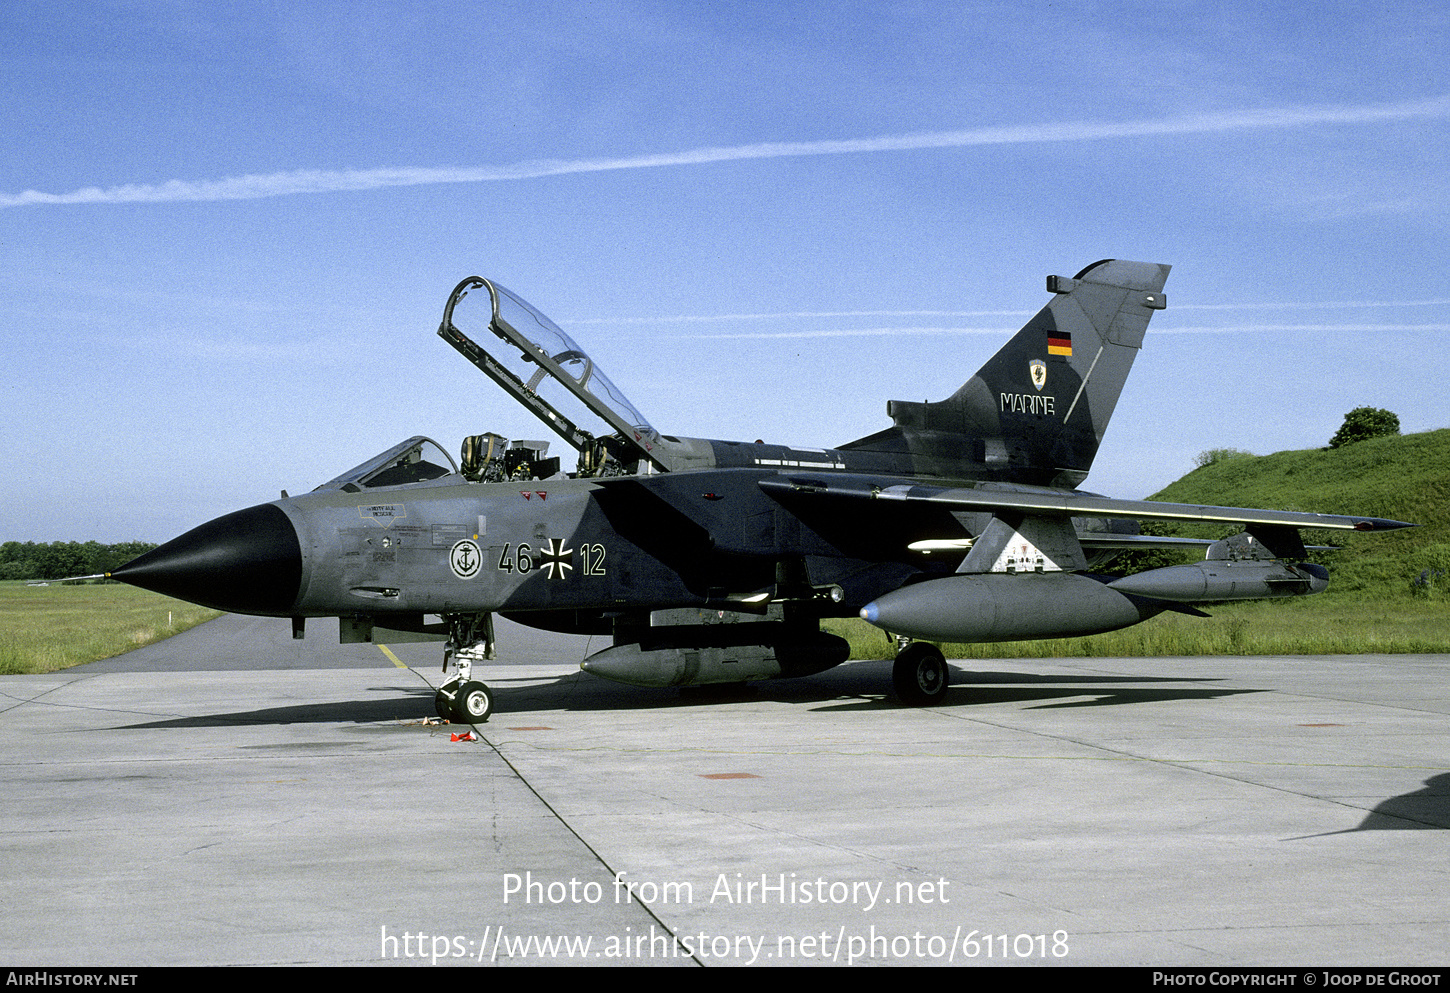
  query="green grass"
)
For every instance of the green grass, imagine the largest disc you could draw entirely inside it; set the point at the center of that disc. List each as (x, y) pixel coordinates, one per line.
(1312, 626)
(46, 628)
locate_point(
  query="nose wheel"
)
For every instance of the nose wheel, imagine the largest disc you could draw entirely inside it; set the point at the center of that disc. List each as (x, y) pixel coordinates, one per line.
(474, 702)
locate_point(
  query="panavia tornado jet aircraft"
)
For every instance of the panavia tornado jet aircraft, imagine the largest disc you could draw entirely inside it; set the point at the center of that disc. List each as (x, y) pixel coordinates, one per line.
(715, 561)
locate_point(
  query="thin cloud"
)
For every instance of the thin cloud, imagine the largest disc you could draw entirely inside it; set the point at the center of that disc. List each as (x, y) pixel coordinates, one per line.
(1312, 305)
(853, 333)
(276, 184)
(1225, 329)
(798, 315)
(837, 314)
(1306, 328)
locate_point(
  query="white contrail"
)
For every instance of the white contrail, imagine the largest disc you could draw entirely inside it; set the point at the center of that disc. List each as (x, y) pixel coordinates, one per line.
(1311, 305)
(333, 181)
(797, 315)
(852, 333)
(1318, 328)
(1156, 331)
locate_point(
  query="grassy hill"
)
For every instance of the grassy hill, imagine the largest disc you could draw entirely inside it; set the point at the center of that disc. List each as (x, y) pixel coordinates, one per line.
(1403, 478)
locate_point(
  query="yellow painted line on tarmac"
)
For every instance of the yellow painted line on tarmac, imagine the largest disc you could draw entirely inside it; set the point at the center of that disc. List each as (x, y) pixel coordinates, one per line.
(389, 653)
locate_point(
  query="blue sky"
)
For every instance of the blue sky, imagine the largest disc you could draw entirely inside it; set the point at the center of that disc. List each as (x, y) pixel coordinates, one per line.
(227, 231)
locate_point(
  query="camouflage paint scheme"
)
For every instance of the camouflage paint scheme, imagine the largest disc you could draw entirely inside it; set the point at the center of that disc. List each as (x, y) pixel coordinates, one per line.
(714, 561)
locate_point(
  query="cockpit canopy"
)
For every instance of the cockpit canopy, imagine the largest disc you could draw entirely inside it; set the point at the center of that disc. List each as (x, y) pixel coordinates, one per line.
(551, 375)
(546, 371)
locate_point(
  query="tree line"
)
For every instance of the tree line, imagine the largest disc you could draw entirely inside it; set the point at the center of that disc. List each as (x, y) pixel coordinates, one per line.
(59, 559)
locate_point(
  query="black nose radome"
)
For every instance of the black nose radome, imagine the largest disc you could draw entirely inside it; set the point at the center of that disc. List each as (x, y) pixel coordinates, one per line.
(248, 562)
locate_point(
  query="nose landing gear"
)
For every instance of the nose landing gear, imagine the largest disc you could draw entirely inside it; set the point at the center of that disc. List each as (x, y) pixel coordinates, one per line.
(463, 699)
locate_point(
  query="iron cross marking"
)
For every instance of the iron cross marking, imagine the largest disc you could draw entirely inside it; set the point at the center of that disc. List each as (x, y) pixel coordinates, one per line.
(556, 559)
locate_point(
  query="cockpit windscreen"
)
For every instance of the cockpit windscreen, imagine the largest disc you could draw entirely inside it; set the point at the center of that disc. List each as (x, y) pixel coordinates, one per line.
(412, 461)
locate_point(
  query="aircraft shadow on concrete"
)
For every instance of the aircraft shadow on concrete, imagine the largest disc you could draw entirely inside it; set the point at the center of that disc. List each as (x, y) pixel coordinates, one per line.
(869, 685)
(412, 705)
(863, 685)
(1424, 809)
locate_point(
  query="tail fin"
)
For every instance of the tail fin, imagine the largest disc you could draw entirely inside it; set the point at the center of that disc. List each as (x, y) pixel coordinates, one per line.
(1037, 411)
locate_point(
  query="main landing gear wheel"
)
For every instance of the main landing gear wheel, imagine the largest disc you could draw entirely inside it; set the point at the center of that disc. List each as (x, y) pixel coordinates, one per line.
(920, 675)
(473, 704)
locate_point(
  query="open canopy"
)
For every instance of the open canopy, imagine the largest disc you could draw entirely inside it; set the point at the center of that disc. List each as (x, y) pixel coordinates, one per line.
(550, 374)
